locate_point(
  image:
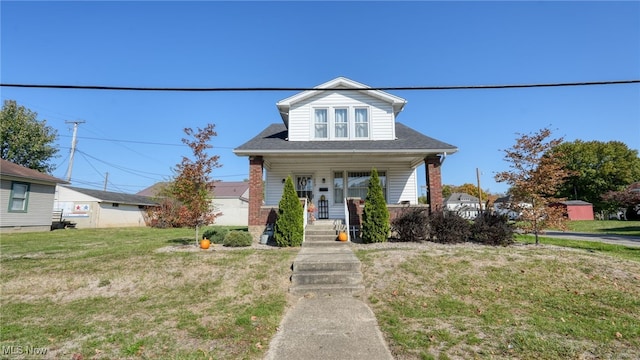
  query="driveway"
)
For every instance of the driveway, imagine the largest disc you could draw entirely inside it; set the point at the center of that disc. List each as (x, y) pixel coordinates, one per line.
(606, 238)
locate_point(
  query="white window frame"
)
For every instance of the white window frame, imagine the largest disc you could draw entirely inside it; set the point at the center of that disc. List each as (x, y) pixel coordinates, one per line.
(346, 124)
(355, 123)
(345, 183)
(22, 196)
(326, 124)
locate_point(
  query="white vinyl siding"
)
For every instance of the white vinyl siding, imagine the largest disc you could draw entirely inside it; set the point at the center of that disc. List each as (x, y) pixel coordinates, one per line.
(381, 120)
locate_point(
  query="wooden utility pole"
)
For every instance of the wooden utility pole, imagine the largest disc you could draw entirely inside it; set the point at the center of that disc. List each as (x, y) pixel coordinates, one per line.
(73, 146)
(479, 190)
(106, 179)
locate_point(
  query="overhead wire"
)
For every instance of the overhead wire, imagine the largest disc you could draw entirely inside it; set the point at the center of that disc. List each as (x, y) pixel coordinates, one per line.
(386, 88)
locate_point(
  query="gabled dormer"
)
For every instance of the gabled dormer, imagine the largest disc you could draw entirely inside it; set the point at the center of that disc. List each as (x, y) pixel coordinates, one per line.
(341, 110)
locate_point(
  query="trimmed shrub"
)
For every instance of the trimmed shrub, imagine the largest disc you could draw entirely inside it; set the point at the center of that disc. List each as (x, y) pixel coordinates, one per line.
(448, 228)
(237, 239)
(411, 225)
(492, 229)
(216, 234)
(289, 228)
(375, 215)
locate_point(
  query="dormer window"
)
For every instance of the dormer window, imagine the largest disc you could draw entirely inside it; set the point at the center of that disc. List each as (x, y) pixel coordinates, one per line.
(321, 124)
(341, 123)
(362, 123)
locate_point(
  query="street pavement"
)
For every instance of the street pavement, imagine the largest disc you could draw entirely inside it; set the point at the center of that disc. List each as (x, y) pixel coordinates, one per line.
(605, 238)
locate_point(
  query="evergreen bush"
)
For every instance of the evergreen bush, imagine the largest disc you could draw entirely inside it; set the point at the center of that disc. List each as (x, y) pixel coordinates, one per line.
(492, 229)
(375, 215)
(237, 239)
(289, 227)
(215, 234)
(411, 225)
(448, 228)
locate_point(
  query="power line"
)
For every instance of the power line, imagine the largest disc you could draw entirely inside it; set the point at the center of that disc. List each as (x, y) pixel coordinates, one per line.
(238, 89)
(142, 142)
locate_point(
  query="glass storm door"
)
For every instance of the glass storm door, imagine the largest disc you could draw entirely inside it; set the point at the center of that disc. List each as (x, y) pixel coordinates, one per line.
(304, 186)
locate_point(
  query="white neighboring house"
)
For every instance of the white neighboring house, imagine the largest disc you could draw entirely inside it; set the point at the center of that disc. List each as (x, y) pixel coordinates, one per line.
(503, 206)
(231, 199)
(26, 198)
(91, 209)
(463, 204)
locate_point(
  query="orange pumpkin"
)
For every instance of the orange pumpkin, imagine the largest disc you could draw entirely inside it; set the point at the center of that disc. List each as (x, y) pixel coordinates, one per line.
(205, 243)
(342, 236)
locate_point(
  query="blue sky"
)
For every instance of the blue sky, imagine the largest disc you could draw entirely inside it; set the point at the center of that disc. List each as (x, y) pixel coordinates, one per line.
(135, 136)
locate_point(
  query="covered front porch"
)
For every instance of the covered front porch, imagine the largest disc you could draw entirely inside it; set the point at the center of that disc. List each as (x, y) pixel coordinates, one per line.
(337, 187)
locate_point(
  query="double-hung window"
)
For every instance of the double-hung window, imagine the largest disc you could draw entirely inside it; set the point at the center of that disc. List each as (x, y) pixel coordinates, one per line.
(341, 124)
(355, 184)
(362, 123)
(321, 124)
(19, 197)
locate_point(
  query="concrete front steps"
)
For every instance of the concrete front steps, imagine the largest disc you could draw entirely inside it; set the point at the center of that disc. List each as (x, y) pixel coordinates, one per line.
(324, 265)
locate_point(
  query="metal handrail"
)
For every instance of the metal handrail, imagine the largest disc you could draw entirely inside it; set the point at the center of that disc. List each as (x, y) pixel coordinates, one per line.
(346, 220)
(304, 220)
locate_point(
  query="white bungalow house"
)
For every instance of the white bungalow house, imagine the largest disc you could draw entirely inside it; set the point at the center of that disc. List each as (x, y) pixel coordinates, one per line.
(26, 198)
(329, 140)
(92, 209)
(465, 205)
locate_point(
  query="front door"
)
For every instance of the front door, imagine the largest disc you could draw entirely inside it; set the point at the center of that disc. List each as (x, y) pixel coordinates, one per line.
(304, 186)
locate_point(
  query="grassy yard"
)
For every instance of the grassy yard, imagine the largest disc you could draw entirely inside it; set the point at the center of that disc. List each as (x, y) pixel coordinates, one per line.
(114, 293)
(631, 228)
(519, 302)
(139, 294)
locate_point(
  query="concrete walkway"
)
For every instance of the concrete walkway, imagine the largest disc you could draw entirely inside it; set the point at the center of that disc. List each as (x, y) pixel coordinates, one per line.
(329, 327)
(327, 321)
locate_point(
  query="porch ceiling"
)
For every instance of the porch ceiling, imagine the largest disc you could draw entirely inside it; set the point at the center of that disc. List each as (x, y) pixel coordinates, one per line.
(347, 159)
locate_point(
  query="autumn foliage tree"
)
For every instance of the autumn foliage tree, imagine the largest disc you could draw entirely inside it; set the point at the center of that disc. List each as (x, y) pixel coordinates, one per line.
(186, 201)
(535, 177)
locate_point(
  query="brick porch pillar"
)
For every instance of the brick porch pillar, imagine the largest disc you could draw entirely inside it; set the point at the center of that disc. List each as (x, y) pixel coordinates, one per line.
(256, 191)
(434, 182)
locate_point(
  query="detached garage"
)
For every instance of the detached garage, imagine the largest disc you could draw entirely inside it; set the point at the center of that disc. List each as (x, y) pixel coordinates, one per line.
(578, 209)
(91, 209)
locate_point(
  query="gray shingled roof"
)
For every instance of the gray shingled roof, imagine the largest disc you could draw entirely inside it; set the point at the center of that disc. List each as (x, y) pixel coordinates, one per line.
(8, 168)
(114, 197)
(273, 139)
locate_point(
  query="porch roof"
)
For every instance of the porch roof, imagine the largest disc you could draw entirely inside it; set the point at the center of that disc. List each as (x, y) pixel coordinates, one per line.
(273, 140)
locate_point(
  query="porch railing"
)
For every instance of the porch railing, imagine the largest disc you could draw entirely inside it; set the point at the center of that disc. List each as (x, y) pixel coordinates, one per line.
(346, 220)
(305, 218)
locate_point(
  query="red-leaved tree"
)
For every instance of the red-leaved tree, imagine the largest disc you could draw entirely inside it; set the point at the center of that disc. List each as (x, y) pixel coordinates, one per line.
(193, 185)
(534, 177)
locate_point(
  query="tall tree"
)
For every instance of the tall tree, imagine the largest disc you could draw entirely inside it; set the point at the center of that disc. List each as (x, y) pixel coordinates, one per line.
(375, 215)
(535, 177)
(193, 184)
(289, 228)
(598, 168)
(25, 140)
